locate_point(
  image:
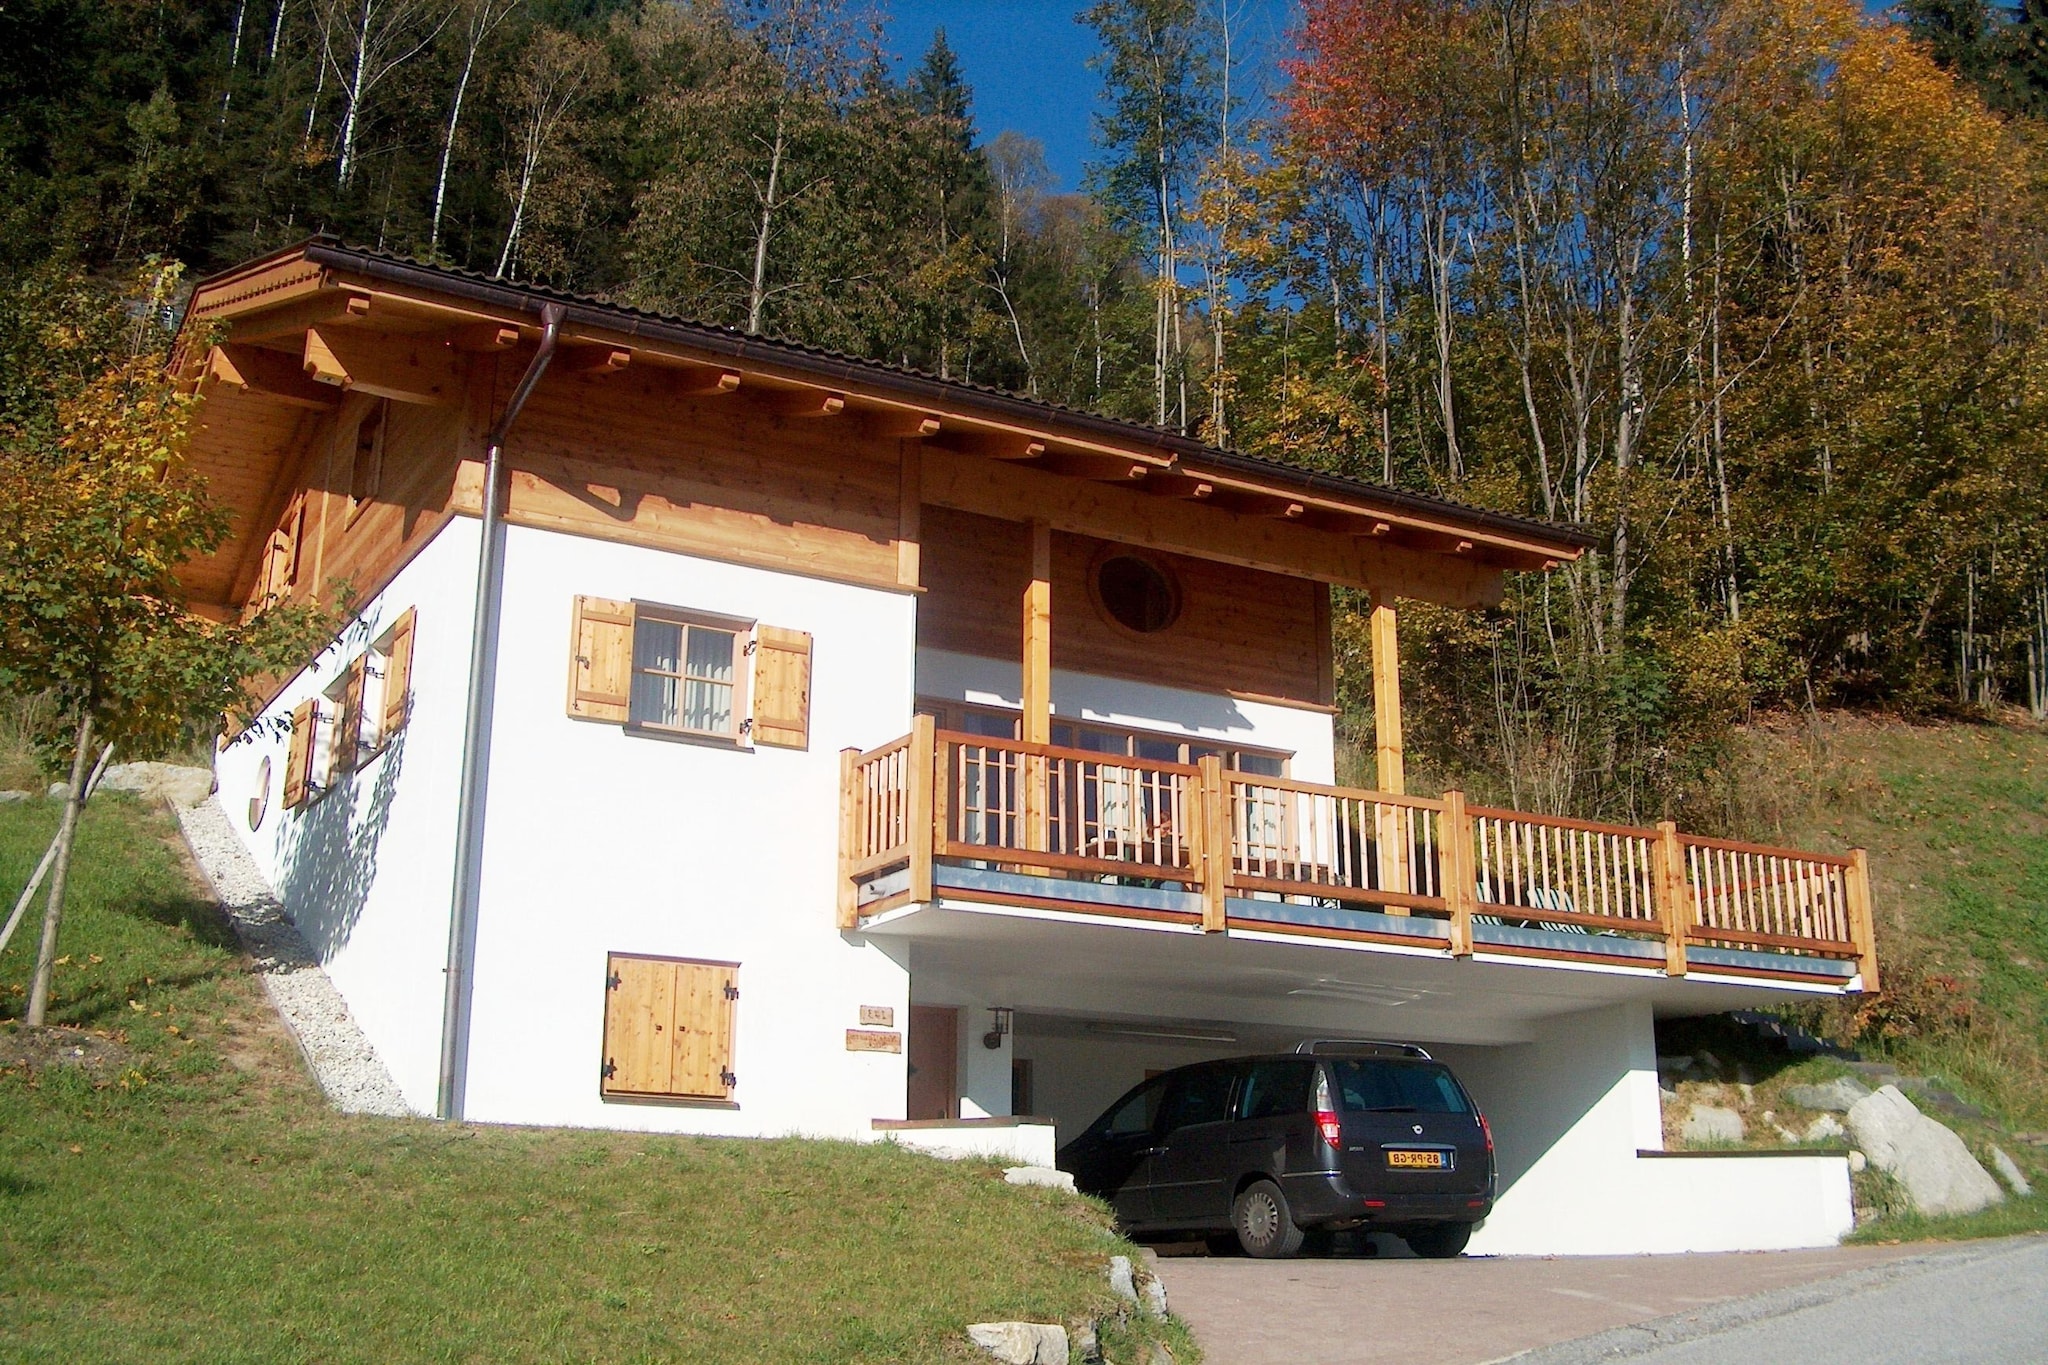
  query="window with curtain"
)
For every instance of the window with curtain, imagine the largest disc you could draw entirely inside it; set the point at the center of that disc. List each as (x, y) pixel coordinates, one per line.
(685, 676)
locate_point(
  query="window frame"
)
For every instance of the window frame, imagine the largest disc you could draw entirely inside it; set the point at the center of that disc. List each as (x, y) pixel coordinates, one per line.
(743, 629)
(952, 715)
(366, 475)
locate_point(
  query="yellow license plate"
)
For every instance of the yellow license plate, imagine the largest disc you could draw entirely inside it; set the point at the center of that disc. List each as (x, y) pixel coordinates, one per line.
(1416, 1161)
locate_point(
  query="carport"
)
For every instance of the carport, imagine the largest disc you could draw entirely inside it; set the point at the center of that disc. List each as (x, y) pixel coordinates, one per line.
(1559, 1053)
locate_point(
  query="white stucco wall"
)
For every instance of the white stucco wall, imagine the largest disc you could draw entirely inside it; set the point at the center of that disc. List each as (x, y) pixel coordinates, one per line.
(1569, 1113)
(366, 869)
(1303, 731)
(600, 841)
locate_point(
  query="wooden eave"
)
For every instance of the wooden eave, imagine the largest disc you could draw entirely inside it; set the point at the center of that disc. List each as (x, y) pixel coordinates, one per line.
(303, 308)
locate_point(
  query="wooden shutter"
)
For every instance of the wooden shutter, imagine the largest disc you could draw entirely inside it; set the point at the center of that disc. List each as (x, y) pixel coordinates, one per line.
(668, 1028)
(397, 702)
(782, 687)
(600, 659)
(706, 995)
(298, 757)
(639, 1025)
(347, 741)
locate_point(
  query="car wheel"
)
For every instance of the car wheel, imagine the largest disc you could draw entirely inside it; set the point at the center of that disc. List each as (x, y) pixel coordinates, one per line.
(1438, 1241)
(1264, 1225)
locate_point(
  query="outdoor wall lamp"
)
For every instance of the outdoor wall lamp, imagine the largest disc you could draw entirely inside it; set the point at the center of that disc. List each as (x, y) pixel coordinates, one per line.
(999, 1020)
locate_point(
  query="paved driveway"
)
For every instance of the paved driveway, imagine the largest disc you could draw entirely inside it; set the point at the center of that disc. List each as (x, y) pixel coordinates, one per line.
(1349, 1310)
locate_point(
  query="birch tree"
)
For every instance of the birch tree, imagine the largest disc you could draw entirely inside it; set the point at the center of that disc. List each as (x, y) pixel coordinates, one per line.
(364, 43)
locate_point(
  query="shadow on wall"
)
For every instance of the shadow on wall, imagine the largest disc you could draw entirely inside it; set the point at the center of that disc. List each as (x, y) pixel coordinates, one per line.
(329, 861)
(1532, 1103)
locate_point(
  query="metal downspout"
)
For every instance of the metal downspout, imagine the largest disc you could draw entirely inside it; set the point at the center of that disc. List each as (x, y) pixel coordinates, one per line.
(476, 734)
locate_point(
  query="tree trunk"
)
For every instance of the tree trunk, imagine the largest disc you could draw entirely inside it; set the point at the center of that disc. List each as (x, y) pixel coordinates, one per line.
(349, 117)
(53, 912)
(35, 881)
(448, 146)
(757, 295)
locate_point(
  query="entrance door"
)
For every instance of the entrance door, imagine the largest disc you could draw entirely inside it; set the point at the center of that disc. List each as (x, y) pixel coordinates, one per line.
(934, 1091)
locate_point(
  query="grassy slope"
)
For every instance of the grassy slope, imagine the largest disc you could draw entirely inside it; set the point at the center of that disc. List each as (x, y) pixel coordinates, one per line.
(204, 1204)
(1956, 821)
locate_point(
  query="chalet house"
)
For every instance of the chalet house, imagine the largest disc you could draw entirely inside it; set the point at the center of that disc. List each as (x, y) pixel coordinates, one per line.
(729, 737)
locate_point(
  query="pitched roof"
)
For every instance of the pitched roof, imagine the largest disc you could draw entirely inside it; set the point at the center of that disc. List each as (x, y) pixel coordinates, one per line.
(1191, 455)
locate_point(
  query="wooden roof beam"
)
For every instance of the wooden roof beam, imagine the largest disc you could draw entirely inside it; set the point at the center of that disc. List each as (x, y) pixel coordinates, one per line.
(1106, 468)
(1087, 507)
(1179, 486)
(806, 403)
(268, 374)
(698, 381)
(594, 360)
(895, 424)
(1434, 531)
(990, 445)
(291, 319)
(404, 369)
(485, 336)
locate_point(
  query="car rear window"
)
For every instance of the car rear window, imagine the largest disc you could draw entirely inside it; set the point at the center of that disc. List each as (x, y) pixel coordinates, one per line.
(1372, 1084)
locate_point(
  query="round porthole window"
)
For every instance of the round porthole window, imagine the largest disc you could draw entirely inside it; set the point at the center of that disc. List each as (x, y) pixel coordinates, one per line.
(259, 804)
(1136, 591)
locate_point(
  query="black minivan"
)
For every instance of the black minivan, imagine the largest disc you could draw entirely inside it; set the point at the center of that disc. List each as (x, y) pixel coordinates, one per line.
(1285, 1148)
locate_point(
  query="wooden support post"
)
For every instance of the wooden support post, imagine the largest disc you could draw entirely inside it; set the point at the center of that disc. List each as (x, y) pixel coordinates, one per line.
(1037, 683)
(849, 837)
(1454, 837)
(942, 798)
(1213, 827)
(922, 769)
(1386, 696)
(1862, 922)
(1674, 895)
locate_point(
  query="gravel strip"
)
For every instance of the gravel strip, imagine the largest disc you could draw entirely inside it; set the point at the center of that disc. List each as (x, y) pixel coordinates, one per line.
(340, 1057)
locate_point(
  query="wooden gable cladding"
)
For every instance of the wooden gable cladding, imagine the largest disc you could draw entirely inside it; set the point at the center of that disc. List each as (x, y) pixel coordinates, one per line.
(633, 457)
(367, 527)
(1239, 630)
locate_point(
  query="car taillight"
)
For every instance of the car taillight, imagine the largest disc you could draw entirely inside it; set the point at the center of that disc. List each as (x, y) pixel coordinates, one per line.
(1486, 1131)
(1326, 1112)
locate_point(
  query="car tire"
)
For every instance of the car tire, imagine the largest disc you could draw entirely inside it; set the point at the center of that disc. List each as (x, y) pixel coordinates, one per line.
(1264, 1224)
(1438, 1241)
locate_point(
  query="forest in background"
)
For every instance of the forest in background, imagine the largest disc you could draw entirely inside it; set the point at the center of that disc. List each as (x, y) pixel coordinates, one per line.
(1754, 288)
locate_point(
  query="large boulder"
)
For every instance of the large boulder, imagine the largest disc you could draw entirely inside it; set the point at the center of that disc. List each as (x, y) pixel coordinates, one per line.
(181, 786)
(1021, 1343)
(1712, 1123)
(1837, 1096)
(1936, 1170)
(2010, 1172)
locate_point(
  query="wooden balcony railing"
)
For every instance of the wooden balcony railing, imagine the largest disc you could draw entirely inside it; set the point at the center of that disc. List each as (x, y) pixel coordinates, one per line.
(1243, 842)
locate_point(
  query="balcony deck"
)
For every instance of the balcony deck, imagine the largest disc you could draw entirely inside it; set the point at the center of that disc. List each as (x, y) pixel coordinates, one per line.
(978, 821)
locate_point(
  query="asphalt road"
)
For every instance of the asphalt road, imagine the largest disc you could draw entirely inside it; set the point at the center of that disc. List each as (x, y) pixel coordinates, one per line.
(1977, 1302)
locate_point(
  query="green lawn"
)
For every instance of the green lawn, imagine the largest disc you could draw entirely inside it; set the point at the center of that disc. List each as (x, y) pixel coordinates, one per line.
(200, 1202)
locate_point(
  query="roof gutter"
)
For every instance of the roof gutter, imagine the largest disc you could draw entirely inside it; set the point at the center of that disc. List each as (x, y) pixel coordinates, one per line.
(476, 733)
(911, 388)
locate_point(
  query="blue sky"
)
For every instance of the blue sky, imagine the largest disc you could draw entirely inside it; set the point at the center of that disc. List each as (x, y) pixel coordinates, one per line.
(1028, 63)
